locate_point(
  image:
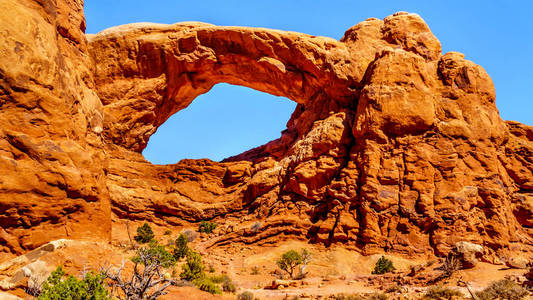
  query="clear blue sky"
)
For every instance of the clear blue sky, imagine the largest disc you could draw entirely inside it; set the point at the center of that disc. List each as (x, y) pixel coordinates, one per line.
(495, 34)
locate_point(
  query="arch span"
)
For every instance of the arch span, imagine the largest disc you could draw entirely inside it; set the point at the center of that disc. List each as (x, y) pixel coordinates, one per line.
(161, 69)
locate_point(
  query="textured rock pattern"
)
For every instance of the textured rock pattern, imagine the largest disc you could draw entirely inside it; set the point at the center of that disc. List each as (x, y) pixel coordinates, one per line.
(52, 181)
(393, 146)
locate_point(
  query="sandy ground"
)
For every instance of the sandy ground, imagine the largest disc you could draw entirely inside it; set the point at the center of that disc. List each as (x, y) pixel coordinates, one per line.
(333, 270)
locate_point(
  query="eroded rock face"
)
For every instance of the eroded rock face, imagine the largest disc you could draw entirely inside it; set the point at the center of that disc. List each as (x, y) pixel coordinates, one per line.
(52, 181)
(392, 147)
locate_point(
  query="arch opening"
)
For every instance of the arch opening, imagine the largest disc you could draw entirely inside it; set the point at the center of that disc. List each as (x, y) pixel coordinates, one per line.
(224, 122)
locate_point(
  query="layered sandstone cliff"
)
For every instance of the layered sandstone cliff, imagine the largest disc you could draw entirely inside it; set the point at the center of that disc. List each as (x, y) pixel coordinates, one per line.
(393, 146)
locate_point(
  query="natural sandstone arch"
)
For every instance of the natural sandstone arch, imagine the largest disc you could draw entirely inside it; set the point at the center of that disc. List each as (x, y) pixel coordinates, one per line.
(359, 162)
(392, 147)
(161, 69)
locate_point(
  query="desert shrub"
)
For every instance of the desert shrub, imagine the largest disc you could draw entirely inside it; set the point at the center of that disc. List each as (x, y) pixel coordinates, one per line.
(144, 234)
(219, 278)
(255, 270)
(245, 296)
(193, 268)
(180, 246)
(211, 269)
(383, 265)
(147, 281)
(229, 286)
(154, 254)
(92, 287)
(441, 292)
(394, 289)
(207, 285)
(504, 289)
(450, 265)
(35, 284)
(349, 297)
(291, 259)
(377, 296)
(190, 234)
(207, 227)
(167, 232)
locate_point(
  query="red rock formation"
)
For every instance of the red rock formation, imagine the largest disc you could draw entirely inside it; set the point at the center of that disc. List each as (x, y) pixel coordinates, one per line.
(393, 146)
(52, 182)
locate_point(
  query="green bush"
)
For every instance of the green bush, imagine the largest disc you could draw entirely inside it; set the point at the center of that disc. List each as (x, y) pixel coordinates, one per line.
(207, 285)
(441, 292)
(220, 278)
(383, 265)
(229, 286)
(180, 246)
(292, 259)
(144, 234)
(245, 296)
(154, 254)
(207, 227)
(193, 268)
(503, 289)
(91, 287)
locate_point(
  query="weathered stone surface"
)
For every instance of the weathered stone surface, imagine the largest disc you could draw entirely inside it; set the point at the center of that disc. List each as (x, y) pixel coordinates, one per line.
(393, 146)
(517, 262)
(467, 253)
(52, 181)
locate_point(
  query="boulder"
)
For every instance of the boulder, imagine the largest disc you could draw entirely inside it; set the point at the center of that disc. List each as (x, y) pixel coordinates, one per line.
(517, 262)
(467, 253)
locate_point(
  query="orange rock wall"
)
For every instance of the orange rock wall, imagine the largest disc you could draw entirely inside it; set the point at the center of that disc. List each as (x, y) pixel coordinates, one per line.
(52, 181)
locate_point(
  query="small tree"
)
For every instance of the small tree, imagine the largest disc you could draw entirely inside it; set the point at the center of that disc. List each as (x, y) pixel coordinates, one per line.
(148, 281)
(306, 259)
(144, 234)
(180, 246)
(207, 227)
(383, 265)
(291, 259)
(193, 268)
(91, 286)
